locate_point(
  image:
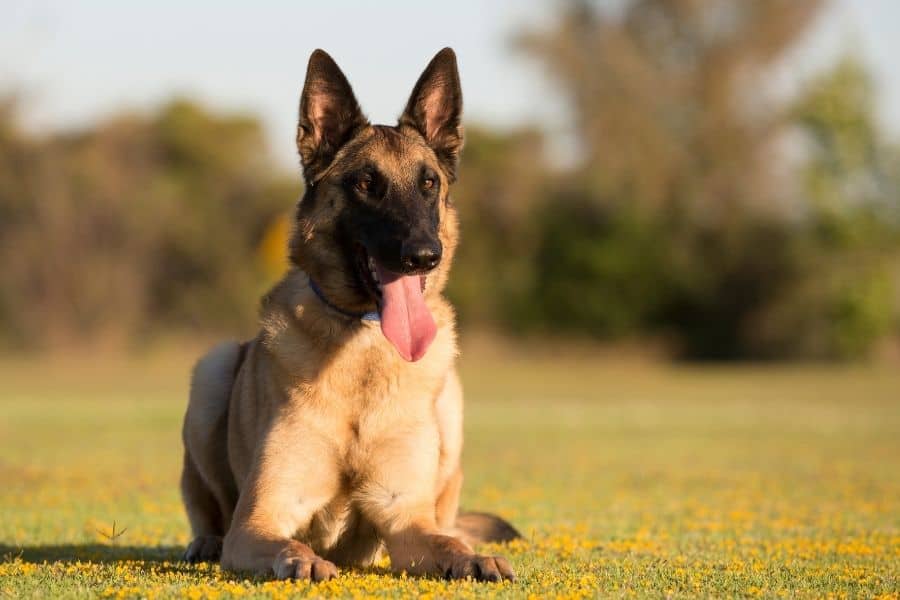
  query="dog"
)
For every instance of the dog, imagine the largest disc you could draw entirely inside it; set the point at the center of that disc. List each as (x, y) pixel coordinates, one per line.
(335, 433)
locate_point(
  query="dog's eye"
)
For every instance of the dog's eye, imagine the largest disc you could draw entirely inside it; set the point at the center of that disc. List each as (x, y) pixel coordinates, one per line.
(428, 183)
(364, 184)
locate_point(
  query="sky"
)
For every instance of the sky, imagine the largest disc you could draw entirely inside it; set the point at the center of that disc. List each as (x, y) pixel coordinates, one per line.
(74, 63)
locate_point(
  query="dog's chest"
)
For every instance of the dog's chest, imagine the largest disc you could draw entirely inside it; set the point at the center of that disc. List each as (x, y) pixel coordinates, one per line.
(369, 390)
(380, 424)
(377, 435)
(377, 416)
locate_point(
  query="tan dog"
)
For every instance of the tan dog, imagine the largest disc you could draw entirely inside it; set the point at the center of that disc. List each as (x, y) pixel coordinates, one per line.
(327, 437)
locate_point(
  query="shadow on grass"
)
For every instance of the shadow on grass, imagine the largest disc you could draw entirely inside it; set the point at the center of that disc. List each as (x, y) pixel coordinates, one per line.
(99, 553)
(154, 556)
(156, 560)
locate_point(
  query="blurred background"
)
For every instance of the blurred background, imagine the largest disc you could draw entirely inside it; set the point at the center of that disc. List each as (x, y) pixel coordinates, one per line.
(678, 284)
(703, 179)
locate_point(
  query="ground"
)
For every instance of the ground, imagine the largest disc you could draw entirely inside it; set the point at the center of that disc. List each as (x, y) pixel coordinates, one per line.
(626, 479)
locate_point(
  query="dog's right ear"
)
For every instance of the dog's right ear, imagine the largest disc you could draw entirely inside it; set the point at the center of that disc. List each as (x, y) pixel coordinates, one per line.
(329, 115)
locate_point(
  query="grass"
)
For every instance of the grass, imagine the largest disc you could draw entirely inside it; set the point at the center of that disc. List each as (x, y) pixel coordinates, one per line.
(627, 479)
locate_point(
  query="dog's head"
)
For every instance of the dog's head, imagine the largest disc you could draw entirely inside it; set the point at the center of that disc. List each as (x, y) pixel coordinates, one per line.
(375, 229)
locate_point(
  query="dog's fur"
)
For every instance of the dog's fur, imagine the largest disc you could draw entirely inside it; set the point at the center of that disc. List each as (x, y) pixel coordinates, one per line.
(316, 443)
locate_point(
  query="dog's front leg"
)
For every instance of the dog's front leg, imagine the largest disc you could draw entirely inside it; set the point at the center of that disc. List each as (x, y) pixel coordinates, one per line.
(399, 498)
(421, 548)
(261, 551)
(283, 493)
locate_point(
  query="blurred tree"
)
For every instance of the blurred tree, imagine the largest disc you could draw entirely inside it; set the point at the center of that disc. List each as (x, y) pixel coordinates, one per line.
(135, 226)
(502, 178)
(669, 97)
(848, 170)
(598, 271)
(221, 195)
(676, 224)
(847, 298)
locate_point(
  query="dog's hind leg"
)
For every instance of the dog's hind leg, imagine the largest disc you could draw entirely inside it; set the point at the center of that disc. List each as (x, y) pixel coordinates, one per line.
(203, 513)
(471, 527)
(207, 484)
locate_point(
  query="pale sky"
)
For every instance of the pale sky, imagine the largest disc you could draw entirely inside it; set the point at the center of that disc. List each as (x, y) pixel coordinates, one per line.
(78, 61)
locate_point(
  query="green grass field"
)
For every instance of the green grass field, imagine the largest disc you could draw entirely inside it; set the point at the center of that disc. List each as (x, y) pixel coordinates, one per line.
(626, 479)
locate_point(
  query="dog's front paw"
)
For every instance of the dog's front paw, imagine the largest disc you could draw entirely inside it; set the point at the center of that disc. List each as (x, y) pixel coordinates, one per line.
(480, 568)
(290, 564)
(204, 548)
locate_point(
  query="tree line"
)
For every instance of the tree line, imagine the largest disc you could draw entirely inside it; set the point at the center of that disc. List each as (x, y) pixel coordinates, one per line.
(704, 209)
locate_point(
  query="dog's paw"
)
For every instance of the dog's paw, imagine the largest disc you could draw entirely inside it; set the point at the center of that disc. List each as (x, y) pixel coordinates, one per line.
(289, 565)
(480, 568)
(205, 548)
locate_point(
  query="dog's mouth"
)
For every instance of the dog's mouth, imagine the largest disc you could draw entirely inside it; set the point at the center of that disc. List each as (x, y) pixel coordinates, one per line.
(406, 320)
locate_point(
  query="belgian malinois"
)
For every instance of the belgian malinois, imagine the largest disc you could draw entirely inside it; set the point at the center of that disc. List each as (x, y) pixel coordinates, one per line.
(336, 432)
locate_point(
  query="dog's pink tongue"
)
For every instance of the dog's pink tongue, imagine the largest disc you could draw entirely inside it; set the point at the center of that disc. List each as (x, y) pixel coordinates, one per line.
(405, 320)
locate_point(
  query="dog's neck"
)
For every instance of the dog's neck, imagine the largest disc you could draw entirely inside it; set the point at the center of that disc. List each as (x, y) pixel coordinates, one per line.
(362, 316)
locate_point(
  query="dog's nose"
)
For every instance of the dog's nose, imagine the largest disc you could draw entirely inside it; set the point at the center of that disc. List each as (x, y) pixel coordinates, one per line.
(420, 256)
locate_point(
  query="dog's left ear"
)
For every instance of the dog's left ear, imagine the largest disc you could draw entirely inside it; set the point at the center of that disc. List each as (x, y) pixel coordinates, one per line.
(329, 114)
(435, 109)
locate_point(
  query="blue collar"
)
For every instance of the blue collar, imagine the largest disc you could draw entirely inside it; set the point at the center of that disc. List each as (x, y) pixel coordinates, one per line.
(365, 316)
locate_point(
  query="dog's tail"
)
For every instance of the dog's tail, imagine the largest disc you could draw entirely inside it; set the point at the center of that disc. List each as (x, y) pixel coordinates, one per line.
(481, 527)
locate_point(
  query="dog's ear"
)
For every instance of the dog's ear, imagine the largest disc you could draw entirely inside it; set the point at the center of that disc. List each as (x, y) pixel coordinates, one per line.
(435, 109)
(329, 114)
